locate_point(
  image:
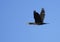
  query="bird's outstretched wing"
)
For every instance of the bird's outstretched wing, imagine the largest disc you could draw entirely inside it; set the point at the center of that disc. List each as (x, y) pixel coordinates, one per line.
(42, 15)
(37, 18)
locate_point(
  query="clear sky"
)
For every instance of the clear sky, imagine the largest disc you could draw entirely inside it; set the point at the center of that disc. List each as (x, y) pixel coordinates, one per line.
(16, 14)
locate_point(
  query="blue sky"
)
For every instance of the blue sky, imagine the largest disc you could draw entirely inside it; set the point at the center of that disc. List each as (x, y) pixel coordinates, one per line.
(16, 14)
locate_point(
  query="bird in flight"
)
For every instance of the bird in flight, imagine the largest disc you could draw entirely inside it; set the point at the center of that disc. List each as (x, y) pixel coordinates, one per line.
(39, 18)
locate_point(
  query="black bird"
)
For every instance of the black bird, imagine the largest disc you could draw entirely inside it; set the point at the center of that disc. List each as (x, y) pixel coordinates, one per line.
(39, 18)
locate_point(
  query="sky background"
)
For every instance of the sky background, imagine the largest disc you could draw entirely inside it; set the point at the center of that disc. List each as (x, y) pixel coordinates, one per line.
(16, 14)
